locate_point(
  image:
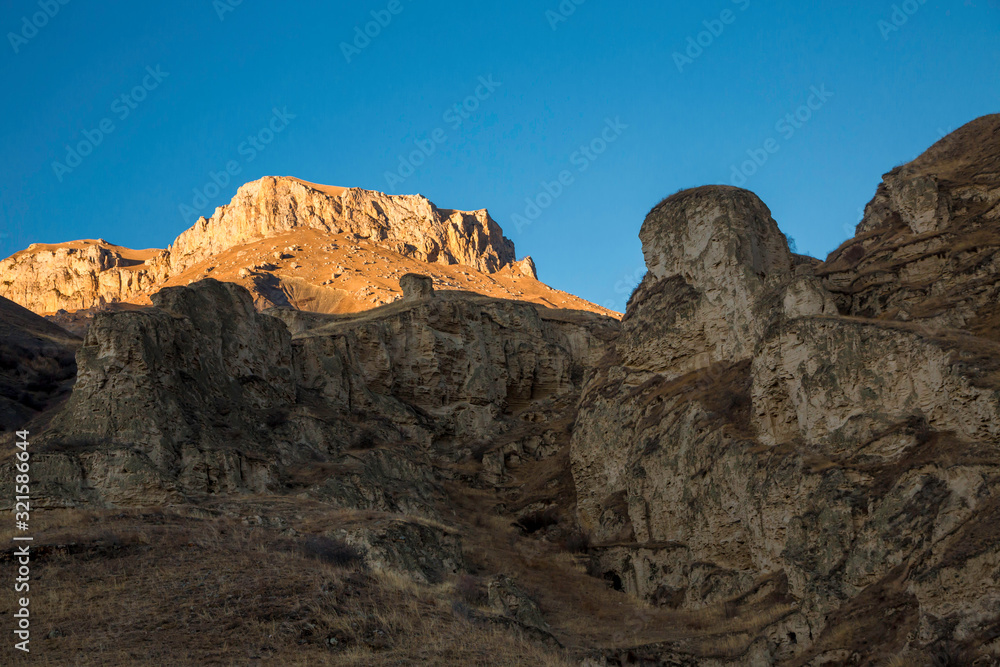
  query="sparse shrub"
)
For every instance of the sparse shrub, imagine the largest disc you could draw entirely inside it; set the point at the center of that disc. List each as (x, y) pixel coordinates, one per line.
(951, 654)
(731, 404)
(533, 522)
(480, 448)
(469, 590)
(275, 417)
(854, 254)
(920, 429)
(462, 611)
(614, 581)
(366, 439)
(671, 598)
(109, 538)
(332, 551)
(74, 444)
(577, 542)
(633, 292)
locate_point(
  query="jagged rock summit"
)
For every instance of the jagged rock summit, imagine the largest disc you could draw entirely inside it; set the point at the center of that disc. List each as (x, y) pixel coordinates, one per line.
(290, 243)
(408, 224)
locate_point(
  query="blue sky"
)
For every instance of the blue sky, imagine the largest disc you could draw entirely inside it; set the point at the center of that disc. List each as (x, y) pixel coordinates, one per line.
(622, 103)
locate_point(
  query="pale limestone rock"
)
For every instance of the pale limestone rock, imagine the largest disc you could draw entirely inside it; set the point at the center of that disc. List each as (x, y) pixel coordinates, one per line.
(744, 430)
(409, 224)
(526, 267)
(415, 286)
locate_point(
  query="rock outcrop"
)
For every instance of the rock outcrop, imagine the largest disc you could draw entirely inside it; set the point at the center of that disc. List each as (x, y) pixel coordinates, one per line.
(46, 278)
(408, 224)
(91, 274)
(205, 394)
(768, 425)
(928, 248)
(416, 286)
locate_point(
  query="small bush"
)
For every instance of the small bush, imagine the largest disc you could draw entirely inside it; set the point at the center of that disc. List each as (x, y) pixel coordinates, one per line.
(462, 611)
(276, 417)
(577, 542)
(854, 254)
(480, 448)
(469, 590)
(366, 439)
(536, 521)
(332, 551)
(949, 654)
(920, 429)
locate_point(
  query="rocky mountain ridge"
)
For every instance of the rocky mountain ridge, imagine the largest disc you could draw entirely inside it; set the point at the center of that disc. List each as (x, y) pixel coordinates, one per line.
(770, 459)
(291, 243)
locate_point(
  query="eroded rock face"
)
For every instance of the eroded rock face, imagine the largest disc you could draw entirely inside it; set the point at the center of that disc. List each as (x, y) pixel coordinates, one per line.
(746, 441)
(409, 224)
(928, 248)
(90, 274)
(186, 385)
(82, 274)
(712, 254)
(415, 286)
(202, 394)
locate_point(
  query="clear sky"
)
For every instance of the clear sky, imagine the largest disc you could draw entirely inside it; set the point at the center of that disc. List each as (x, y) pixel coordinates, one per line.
(624, 103)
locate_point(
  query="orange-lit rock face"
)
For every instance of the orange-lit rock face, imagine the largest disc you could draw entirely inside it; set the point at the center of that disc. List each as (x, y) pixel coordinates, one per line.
(291, 243)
